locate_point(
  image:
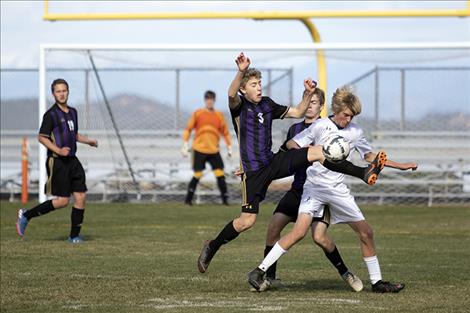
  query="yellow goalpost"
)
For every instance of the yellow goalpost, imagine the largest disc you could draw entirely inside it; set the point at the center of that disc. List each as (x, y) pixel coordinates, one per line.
(303, 16)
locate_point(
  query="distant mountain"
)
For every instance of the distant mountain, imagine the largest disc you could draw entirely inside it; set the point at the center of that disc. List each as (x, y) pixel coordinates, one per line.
(21, 114)
(133, 112)
(130, 112)
(454, 121)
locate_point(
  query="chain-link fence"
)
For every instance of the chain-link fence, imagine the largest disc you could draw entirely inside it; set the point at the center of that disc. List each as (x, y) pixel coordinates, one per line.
(418, 113)
(139, 133)
(421, 115)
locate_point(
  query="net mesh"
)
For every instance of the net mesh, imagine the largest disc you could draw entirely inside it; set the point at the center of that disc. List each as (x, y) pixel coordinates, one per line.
(415, 106)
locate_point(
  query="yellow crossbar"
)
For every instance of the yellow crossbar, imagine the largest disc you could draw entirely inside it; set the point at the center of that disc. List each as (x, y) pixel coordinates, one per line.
(303, 16)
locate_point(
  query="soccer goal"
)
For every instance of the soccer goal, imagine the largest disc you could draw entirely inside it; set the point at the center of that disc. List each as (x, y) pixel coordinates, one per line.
(136, 100)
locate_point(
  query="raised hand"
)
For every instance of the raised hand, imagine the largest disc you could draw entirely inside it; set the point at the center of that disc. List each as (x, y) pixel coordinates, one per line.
(238, 172)
(309, 85)
(243, 62)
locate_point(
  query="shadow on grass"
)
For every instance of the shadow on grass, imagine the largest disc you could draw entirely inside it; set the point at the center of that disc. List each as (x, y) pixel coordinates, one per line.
(317, 285)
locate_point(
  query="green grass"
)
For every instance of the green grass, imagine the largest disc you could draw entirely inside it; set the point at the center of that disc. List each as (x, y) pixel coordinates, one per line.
(142, 258)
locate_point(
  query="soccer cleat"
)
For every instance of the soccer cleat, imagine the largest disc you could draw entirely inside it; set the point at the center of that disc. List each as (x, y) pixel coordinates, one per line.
(353, 281)
(374, 168)
(75, 240)
(21, 223)
(268, 284)
(385, 286)
(205, 257)
(188, 200)
(256, 278)
(265, 286)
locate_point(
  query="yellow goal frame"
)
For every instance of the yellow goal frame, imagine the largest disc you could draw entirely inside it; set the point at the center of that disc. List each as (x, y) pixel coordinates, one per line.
(303, 16)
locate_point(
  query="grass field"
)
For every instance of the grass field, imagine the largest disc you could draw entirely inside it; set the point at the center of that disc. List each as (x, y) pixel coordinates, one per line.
(142, 258)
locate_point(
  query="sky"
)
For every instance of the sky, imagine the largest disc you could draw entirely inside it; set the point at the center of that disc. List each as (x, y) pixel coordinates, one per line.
(23, 30)
(22, 27)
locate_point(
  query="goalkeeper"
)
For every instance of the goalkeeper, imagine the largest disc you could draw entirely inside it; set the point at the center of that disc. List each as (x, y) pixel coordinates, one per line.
(209, 124)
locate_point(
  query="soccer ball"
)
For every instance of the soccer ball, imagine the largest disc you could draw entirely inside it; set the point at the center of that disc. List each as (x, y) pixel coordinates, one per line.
(335, 149)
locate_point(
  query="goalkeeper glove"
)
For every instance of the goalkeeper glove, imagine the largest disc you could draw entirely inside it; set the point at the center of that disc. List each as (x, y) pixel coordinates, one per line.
(185, 149)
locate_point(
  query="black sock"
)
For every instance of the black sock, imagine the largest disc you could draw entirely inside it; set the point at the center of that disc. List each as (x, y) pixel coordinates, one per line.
(223, 188)
(225, 236)
(346, 167)
(77, 220)
(191, 189)
(337, 261)
(40, 209)
(271, 272)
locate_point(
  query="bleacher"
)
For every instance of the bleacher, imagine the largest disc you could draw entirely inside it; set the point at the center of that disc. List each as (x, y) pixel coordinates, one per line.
(162, 173)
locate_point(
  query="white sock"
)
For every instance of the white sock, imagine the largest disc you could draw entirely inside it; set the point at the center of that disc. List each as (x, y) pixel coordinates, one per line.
(273, 255)
(373, 267)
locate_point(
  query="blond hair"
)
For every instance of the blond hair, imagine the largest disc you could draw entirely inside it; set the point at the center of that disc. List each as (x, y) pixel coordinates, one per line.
(344, 98)
(252, 72)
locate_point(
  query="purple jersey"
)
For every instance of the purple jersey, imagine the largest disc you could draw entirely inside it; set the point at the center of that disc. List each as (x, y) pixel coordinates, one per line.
(253, 125)
(61, 128)
(300, 175)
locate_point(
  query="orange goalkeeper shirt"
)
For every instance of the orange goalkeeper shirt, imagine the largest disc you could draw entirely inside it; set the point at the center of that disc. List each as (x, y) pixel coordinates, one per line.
(208, 125)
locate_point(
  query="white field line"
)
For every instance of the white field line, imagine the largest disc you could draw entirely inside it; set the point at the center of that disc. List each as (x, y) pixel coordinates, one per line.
(76, 305)
(195, 278)
(213, 304)
(100, 276)
(249, 304)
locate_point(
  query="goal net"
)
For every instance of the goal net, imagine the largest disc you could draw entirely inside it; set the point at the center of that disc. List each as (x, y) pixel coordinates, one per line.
(136, 100)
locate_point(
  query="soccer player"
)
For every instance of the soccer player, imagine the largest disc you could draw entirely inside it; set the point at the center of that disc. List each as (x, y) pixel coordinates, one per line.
(324, 187)
(252, 116)
(209, 125)
(287, 210)
(59, 134)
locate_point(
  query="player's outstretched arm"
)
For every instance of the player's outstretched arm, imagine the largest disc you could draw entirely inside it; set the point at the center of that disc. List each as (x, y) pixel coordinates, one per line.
(243, 63)
(301, 108)
(87, 141)
(369, 157)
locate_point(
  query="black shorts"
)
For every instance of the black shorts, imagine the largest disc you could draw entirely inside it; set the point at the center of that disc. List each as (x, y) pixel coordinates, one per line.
(289, 206)
(200, 159)
(64, 176)
(256, 183)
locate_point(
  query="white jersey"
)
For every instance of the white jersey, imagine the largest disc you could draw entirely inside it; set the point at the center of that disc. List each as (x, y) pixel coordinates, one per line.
(318, 132)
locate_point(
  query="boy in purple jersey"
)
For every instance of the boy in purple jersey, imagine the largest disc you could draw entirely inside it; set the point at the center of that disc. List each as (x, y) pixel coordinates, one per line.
(288, 207)
(252, 117)
(59, 134)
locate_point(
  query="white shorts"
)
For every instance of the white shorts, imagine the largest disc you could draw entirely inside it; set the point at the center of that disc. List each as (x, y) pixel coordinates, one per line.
(343, 207)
